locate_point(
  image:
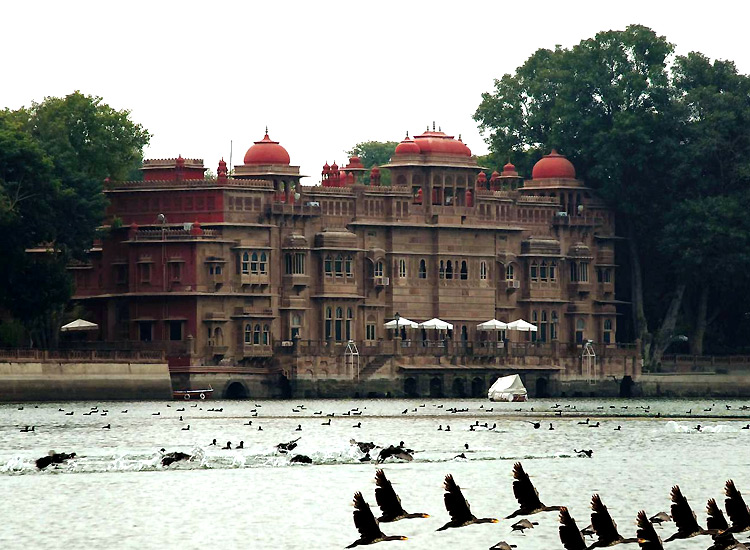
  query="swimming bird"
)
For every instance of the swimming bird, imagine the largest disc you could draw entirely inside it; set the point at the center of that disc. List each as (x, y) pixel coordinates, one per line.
(213, 442)
(646, 535)
(570, 536)
(326, 423)
(69, 413)
(227, 447)
(660, 518)
(27, 429)
(550, 426)
(154, 414)
(367, 525)
(594, 425)
(301, 459)
(389, 502)
(458, 507)
(527, 495)
(289, 446)
(53, 458)
(176, 456)
(523, 524)
(299, 428)
(124, 412)
(684, 518)
(535, 424)
(502, 545)
(584, 452)
(586, 422)
(107, 427)
(241, 445)
(186, 428)
(357, 425)
(605, 526)
(395, 452)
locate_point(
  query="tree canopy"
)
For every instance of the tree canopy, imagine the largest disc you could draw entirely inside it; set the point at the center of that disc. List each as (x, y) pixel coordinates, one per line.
(664, 140)
(54, 158)
(375, 153)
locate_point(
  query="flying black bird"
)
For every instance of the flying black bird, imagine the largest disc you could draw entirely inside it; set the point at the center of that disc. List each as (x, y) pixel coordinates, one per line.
(570, 536)
(175, 456)
(502, 545)
(716, 519)
(527, 495)
(395, 452)
(660, 518)
(684, 518)
(523, 524)
(737, 510)
(366, 524)
(389, 502)
(289, 446)
(647, 537)
(458, 508)
(726, 541)
(605, 526)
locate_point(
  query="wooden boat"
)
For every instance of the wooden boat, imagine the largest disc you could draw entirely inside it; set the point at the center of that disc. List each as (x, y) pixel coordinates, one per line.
(193, 394)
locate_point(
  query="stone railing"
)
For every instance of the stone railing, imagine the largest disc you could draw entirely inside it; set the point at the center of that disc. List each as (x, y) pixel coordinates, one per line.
(81, 356)
(169, 234)
(684, 364)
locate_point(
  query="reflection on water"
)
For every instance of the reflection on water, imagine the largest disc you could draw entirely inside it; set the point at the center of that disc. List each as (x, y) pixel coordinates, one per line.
(116, 494)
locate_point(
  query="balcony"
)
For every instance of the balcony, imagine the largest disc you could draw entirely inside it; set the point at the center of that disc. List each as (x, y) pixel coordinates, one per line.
(214, 349)
(606, 288)
(254, 279)
(581, 287)
(214, 316)
(253, 311)
(296, 279)
(380, 280)
(257, 350)
(512, 285)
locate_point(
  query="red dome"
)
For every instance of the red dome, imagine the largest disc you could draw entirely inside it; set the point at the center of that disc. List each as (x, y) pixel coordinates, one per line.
(509, 170)
(407, 147)
(438, 142)
(266, 151)
(326, 168)
(554, 166)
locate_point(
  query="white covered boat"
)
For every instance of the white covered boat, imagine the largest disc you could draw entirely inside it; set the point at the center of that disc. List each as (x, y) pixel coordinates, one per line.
(508, 388)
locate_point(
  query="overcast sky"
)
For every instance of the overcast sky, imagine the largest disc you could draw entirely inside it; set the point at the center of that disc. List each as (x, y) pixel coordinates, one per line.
(322, 75)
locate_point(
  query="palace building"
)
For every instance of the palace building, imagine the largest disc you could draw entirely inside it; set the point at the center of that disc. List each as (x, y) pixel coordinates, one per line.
(263, 286)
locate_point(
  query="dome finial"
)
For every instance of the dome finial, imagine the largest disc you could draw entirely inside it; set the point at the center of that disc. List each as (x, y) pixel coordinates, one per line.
(266, 129)
(407, 134)
(433, 125)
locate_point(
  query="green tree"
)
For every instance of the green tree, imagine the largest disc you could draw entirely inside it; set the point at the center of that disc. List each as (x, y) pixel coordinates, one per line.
(375, 153)
(54, 158)
(634, 130)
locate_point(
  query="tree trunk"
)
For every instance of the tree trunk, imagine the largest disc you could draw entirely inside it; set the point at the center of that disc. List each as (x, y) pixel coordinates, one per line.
(665, 334)
(640, 323)
(700, 323)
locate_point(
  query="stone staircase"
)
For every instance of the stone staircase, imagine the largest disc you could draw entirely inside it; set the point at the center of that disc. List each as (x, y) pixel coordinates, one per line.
(373, 366)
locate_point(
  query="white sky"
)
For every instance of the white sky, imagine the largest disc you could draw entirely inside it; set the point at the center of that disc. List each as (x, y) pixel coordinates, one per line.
(322, 75)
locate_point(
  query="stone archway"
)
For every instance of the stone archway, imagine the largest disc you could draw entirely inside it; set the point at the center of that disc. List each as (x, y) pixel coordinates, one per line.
(459, 387)
(410, 387)
(477, 388)
(236, 390)
(285, 387)
(436, 387)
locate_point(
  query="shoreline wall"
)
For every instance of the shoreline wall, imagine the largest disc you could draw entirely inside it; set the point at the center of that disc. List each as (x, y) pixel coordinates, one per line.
(69, 381)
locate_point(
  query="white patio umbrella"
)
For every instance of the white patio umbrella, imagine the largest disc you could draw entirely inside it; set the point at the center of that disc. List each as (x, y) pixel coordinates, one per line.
(400, 322)
(436, 324)
(79, 325)
(492, 324)
(521, 326)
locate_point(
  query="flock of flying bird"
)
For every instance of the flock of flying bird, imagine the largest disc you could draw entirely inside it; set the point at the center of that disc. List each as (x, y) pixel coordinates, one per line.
(603, 527)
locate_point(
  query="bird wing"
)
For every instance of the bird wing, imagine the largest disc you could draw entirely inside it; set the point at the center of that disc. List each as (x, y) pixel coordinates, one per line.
(737, 510)
(682, 514)
(570, 536)
(647, 537)
(386, 497)
(525, 492)
(455, 503)
(716, 519)
(604, 525)
(364, 521)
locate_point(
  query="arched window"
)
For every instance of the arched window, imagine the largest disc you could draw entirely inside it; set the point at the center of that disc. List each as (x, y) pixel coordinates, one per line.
(449, 270)
(245, 263)
(533, 273)
(553, 271)
(553, 326)
(266, 335)
(402, 268)
(543, 271)
(607, 336)
(483, 270)
(379, 268)
(263, 269)
(254, 263)
(348, 266)
(339, 266)
(328, 266)
(464, 270)
(422, 269)
(248, 334)
(349, 321)
(256, 335)
(510, 273)
(329, 323)
(580, 327)
(338, 327)
(441, 271)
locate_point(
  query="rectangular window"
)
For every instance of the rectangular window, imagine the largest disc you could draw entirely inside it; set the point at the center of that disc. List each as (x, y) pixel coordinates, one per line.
(483, 270)
(288, 265)
(534, 275)
(121, 274)
(583, 272)
(175, 272)
(175, 330)
(402, 269)
(299, 263)
(144, 273)
(370, 331)
(145, 331)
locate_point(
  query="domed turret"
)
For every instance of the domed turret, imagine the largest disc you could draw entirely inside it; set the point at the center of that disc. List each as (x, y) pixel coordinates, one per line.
(407, 147)
(553, 166)
(509, 170)
(267, 151)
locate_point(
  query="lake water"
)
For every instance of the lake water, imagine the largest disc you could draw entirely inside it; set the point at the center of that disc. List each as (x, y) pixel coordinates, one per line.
(116, 494)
